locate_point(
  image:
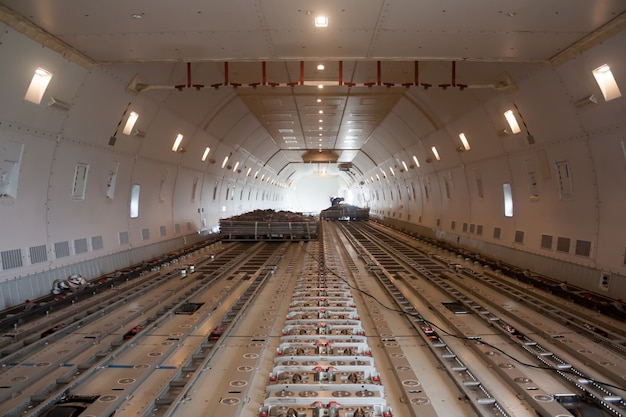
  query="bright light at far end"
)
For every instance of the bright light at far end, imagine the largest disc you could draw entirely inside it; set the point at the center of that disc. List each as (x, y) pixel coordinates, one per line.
(206, 153)
(321, 21)
(512, 121)
(177, 142)
(320, 67)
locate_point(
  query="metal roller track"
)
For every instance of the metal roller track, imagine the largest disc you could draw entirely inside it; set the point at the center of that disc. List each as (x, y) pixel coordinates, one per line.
(599, 393)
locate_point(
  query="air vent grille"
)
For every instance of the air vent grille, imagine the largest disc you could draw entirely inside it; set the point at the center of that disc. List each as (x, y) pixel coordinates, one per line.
(145, 233)
(479, 229)
(546, 242)
(583, 248)
(465, 227)
(38, 254)
(123, 236)
(177, 228)
(80, 246)
(472, 228)
(61, 249)
(453, 225)
(97, 243)
(163, 231)
(11, 258)
(497, 232)
(562, 244)
(519, 236)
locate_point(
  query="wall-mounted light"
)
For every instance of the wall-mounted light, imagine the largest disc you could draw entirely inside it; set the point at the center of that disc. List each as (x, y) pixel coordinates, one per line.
(464, 141)
(130, 123)
(177, 142)
(404, 165)
(248, 173)
(512, 121)
(417, 163)
(393, 173)
(435, 153)
(256, 175)
(236, 166)
(206, 153)
(606, 82)
(38, 85)
(225, 161)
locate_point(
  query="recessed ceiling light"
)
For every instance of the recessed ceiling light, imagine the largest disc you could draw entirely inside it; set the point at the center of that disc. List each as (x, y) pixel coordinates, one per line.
(320, 67)
(319, 100)
(321, 128)
(320, 86)
(137, 15)
(321, 121)
(321, 111)
(321, 21)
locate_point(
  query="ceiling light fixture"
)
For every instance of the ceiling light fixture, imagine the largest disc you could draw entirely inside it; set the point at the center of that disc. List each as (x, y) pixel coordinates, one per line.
(512, 121)
(130, 123)
(225, 160)
(320, 67)
(404, 165)
(321, 21)
(417, 163)
(436, 153)
(177, 142)
(206, 153)
(464, 141)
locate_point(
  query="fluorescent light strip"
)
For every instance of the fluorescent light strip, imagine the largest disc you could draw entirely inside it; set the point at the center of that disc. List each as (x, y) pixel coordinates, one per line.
(130, 123)
(38, 85)
(436, 153)
(417, 163)
(206, 153)
(512, 121)
(177, 142)
(464, 141)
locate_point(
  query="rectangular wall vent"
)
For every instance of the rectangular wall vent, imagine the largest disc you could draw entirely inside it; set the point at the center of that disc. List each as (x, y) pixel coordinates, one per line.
(189, 226)
(472, 228)
(38, 254)
(562, 244)
(123, 236)
(453, 225)
(464, 227)
(61, 249)
(97, 243)
(519, 236)
(583, 248)
(162, 231)
(479, 229)
(497, 232)
(80, 246)
(145, 233)
(177, 228)
(419, 219)
(80, 181)
(564, 177)
(11, 259)
(546, 242)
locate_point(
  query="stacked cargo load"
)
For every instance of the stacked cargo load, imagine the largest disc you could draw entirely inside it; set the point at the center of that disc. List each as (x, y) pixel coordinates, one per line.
(270, 225)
